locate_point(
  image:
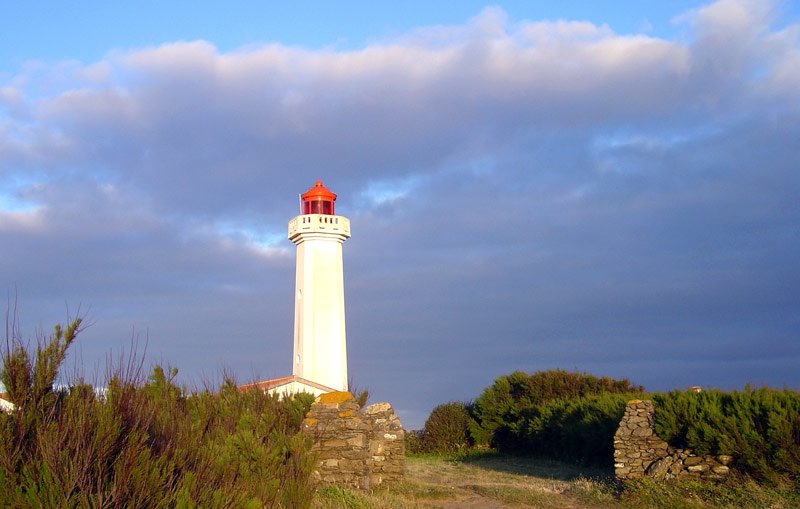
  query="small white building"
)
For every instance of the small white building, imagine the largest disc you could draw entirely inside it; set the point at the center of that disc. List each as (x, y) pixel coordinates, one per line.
(288, 385)
(319, 361)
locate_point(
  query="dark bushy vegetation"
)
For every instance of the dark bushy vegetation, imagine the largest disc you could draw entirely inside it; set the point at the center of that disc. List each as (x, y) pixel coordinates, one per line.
(572, 416)
(760, 428)
(448, 429)
(144, 443)
(413, 441)
(575, 430)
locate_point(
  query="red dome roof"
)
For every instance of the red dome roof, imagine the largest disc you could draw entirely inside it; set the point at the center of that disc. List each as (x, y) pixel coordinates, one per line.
(318, 200)
(318, 192)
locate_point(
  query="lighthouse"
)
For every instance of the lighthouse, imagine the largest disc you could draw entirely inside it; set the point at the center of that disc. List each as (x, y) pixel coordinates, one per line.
(319, 360)
(320, 347)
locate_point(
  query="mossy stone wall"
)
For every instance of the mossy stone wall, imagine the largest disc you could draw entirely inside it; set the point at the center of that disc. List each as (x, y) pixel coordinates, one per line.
(356, 448)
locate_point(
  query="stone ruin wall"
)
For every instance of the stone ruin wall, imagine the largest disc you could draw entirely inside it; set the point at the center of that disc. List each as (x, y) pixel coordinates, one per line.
(639, 452)
(357, 448)
(386, 445)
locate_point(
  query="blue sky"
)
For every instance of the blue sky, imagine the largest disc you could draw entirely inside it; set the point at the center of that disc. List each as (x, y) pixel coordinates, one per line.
(604, 187)
(86, 31)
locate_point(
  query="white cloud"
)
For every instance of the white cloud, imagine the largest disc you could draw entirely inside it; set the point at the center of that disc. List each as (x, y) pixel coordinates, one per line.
(508, 182)
(14, 220)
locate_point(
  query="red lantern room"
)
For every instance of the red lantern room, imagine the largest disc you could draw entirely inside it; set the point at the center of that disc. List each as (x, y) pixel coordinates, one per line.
(318, 200)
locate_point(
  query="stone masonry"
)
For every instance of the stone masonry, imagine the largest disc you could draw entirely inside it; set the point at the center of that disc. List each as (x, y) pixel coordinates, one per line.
(639, 452)
(359, 449)
(386, 445)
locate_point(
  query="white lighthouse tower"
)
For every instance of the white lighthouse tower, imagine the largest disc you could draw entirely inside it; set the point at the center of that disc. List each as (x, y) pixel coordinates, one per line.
(319, 363)
(320, 348)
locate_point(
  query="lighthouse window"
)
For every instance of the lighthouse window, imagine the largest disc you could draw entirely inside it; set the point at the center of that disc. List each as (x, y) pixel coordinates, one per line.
(318, 206)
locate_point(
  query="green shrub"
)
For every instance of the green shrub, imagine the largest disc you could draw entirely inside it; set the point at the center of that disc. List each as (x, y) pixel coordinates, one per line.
(580, 429)
(413, 441)
(447, 429)
(513, 410)
(145, 443)
(760, 428)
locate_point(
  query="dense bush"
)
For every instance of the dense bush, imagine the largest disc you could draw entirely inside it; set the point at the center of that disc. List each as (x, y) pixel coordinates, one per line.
(573, 417)
(144, 443)
(447, 429)
(760, 428)
(412, 439)
(511, 411)
(579, 429)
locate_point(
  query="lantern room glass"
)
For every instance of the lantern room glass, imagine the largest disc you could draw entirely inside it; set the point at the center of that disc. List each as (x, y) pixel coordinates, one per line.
(318, 207)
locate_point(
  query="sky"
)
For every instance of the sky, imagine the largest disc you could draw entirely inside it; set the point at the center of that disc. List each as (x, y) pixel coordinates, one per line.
(603, 187)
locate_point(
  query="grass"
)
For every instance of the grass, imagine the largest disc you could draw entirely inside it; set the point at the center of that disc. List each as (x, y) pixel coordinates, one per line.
(736, 492)
(491, 480)
(479, 480)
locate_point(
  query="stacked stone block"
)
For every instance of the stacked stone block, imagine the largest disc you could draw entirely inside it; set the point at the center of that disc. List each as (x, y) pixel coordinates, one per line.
(355, 449)
(386, 445)
(340, 440)
(639, 452)
(636, 444)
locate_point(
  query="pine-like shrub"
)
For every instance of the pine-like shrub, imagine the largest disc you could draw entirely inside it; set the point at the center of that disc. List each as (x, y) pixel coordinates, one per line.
(760, 428)
(576, 430)
(447, 429)
(510, 410)
(144, 443)
(413, 441)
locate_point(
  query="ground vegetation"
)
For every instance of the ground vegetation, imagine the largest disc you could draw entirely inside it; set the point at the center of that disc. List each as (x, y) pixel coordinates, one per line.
(144, 441)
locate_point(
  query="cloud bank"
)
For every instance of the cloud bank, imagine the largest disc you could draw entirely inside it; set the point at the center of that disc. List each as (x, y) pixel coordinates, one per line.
(523, 195)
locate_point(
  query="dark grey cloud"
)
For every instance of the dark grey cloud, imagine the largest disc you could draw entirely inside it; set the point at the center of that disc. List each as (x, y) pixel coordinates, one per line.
(523, 196)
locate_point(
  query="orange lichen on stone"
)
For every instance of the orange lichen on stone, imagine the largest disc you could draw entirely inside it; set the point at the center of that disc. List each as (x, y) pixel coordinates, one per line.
(310, 421)
(335, 397)
(346, 413)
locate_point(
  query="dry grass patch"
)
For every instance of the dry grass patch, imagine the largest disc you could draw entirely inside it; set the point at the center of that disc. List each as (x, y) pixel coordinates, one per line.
(485, 481)
(492, 481)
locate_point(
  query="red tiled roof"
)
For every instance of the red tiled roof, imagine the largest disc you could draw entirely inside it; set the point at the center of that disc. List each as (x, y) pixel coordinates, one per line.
(273, 383)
